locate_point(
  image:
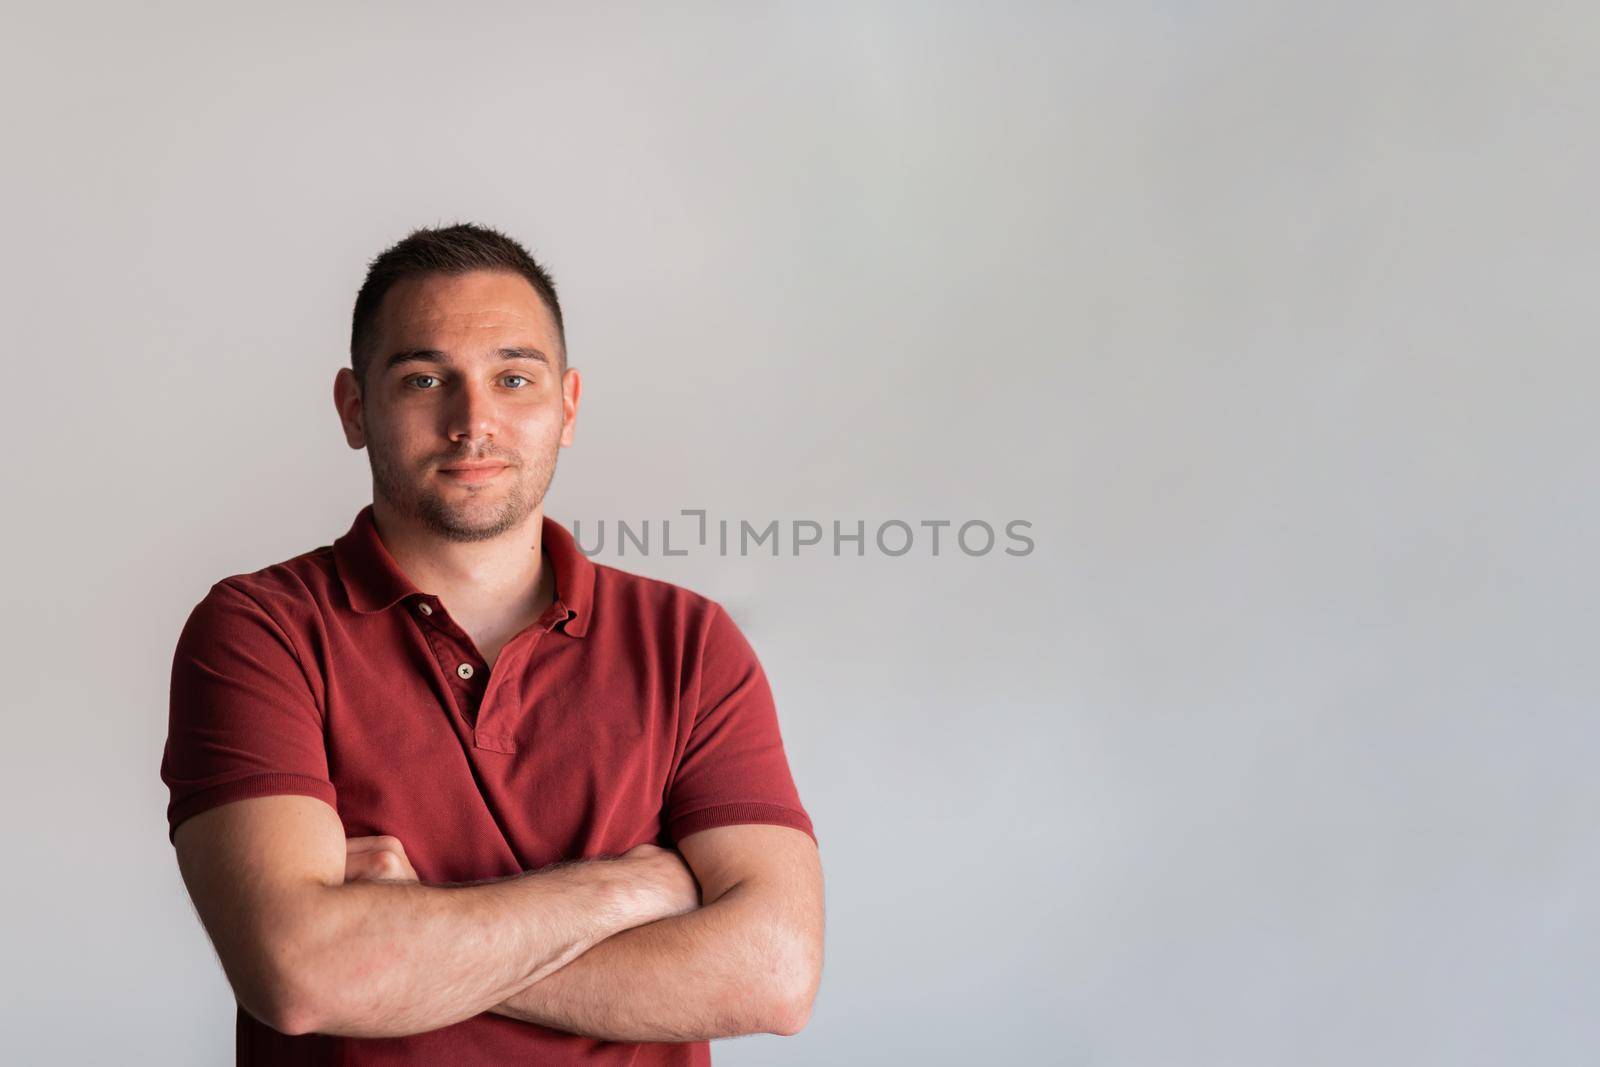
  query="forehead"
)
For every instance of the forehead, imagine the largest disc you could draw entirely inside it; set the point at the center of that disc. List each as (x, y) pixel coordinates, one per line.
(460, 310)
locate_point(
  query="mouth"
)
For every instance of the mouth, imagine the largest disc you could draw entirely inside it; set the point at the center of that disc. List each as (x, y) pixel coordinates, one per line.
(473, 473)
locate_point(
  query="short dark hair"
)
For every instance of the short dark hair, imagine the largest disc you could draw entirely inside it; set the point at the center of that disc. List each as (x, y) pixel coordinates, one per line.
(454, 249)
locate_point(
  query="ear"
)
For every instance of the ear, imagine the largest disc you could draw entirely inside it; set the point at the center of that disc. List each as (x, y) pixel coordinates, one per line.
(571, 388)
(347, 399)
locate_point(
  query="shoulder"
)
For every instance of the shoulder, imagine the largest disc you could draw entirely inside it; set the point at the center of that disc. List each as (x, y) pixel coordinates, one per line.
(650, 611)
(293, 593)
(634, 598)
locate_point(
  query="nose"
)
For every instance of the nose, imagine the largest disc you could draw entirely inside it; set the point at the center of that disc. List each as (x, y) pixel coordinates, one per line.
(471, 414)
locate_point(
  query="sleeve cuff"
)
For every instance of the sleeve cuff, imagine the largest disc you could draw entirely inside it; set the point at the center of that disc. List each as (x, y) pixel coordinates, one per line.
(682, 826)
(255, 785)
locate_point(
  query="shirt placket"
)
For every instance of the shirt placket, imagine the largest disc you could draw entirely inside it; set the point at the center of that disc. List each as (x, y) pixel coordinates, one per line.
(472, 685)
(465, 673)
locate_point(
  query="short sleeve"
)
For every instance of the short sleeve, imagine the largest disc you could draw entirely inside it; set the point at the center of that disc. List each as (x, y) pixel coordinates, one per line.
(734, 769)
(243, 720)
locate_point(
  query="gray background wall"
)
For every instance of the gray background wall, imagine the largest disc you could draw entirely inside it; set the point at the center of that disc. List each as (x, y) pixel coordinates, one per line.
(1275, 321)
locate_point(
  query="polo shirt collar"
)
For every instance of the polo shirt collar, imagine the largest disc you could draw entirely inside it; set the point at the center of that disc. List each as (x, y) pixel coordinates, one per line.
(373, 581)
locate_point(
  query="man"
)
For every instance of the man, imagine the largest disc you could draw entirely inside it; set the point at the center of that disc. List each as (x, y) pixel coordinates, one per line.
(447, 792)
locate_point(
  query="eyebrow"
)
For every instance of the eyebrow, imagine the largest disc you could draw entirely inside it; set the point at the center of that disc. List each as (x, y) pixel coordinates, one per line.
(433, 355)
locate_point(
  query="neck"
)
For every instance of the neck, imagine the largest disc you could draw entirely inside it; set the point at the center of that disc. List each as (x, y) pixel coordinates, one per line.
(507, 572)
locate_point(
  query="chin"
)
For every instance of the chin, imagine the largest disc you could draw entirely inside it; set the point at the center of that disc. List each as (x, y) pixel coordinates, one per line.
(486, 510)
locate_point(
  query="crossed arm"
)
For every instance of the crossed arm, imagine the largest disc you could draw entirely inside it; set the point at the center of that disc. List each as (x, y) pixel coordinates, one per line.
(747, 961)
(609, 949)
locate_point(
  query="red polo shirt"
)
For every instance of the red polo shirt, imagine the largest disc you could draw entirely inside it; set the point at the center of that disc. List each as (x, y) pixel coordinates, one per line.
(633, 710)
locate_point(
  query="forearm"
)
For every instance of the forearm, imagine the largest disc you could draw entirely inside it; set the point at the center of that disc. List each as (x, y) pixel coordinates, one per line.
(713, 972)
(384, 959)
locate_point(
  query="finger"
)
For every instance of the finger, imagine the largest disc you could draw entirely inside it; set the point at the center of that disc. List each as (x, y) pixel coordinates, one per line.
(358, 866)
(380, 864)
(375, 843)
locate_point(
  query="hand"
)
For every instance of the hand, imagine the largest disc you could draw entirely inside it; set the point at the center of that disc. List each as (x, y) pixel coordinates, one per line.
(668, 880)
(377, 858)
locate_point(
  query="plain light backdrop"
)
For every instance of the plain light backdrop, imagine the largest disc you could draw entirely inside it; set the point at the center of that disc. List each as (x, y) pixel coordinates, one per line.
(1276, 322)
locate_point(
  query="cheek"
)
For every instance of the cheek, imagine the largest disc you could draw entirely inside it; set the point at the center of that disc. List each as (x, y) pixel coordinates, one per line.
(540, 427)
(398, 448)
(408, 431)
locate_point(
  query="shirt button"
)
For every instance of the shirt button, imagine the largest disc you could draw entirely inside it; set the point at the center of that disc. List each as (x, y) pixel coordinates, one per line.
(465, 670)
(425, 608)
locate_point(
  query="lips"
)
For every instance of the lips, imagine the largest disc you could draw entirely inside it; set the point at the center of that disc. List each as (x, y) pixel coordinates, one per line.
(473, 472)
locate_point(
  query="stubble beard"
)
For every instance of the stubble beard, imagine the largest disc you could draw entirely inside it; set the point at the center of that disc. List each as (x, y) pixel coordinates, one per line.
(464, 514)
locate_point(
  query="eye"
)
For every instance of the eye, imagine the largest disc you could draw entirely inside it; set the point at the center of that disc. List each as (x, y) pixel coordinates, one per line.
(414, 379)
(518, 376)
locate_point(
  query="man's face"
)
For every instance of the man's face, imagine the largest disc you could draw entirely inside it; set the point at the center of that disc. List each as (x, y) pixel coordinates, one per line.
(466, 369)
